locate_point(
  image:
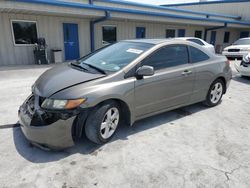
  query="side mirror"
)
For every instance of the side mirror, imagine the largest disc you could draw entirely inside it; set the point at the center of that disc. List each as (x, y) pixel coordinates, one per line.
(145, 71)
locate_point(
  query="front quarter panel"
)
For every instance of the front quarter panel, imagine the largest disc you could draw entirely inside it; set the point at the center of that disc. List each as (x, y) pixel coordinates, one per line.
(100, 90)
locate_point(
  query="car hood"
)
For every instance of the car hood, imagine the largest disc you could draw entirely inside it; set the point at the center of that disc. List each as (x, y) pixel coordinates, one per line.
(59, 78)
(237, 47)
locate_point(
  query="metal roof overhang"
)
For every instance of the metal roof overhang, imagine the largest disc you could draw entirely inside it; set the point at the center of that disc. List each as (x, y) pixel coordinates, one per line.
(168, 8)
(75, 9)
(207, 2)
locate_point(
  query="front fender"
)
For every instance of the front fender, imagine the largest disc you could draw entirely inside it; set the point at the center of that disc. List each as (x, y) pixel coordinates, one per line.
(96, 93)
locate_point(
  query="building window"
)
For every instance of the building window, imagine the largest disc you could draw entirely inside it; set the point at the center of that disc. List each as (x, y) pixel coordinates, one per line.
(244, 34)
(170, 33)
(108, 34)
(24, 32)
(198, 34)
(181, 32)
(226, 37)
(140, 32)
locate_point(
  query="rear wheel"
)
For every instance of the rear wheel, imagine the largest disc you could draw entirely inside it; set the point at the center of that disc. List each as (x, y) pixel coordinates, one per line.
(102, 123)
(215, 93)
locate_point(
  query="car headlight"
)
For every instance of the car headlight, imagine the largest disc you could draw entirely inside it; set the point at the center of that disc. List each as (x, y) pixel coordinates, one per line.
(62, 104)
(245, 49)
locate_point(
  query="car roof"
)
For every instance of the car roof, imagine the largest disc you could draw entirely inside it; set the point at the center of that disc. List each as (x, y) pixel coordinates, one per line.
(184, 38)
(152, 41)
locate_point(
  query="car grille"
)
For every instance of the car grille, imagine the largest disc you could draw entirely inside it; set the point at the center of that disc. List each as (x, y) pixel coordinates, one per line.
(233, 50)
(33, 103)
(30, 105)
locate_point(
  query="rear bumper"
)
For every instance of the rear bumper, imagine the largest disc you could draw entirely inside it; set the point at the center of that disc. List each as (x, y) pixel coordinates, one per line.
(57, 135)
(244, 71)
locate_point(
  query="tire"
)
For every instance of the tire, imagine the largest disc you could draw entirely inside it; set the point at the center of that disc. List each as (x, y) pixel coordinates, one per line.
(215, 93)
(96, 130)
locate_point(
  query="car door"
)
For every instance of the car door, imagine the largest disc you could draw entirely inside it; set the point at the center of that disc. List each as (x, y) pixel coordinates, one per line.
(170, 86)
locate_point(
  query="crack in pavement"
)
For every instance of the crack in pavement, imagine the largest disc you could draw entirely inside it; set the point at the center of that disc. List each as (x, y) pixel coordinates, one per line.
(232, 171)
(227, 173)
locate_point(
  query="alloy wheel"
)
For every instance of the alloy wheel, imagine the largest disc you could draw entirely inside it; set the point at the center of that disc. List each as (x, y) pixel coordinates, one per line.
(109, 123)
(216, 92)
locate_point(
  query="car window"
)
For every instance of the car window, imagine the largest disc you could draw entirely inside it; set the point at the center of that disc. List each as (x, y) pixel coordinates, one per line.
(242, 42)
(116, 56)
(197, 41)
(167, 57)
(197, 55)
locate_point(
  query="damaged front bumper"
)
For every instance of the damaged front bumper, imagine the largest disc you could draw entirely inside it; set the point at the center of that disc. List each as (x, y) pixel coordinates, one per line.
(43, 129)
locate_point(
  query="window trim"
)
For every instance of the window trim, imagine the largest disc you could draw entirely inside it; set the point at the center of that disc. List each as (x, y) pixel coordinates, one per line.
(12, 31)
(103, 42)
(165, 46)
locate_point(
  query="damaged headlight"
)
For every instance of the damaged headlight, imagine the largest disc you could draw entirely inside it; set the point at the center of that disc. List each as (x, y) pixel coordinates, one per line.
(62, 104)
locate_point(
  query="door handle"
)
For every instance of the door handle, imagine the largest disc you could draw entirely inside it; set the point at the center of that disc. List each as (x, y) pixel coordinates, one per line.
(186, 72)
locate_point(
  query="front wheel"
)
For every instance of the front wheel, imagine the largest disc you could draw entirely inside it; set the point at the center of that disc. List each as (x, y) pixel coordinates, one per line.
(102, 123)
(215, 93)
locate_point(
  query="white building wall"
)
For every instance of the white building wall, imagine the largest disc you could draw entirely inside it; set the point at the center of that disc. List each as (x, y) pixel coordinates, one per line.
(49, 27)
(237, 9)
(127, 30)
(169, 10)
(234, 35)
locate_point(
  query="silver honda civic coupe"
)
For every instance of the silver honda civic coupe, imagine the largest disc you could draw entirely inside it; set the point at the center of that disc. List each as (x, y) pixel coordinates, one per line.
(120, 83)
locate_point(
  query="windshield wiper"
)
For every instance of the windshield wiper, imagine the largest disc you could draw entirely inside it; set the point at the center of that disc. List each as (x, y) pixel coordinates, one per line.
(96, 68)
(78, 66)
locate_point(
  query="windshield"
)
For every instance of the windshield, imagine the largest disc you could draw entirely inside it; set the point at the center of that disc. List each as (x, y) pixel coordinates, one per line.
(114, 57)
(242, 42)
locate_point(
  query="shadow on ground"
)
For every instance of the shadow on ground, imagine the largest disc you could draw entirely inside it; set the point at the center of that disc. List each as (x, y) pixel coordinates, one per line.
(242, 79)
(85, 147)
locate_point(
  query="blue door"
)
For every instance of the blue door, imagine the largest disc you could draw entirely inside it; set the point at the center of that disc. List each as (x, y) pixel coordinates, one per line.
(213, 37)
(181, 32)
(140, 32)
(244, 34)
(71, 42)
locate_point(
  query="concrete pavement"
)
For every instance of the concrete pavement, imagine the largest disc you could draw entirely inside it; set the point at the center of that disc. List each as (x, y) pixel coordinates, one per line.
(193, 146)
